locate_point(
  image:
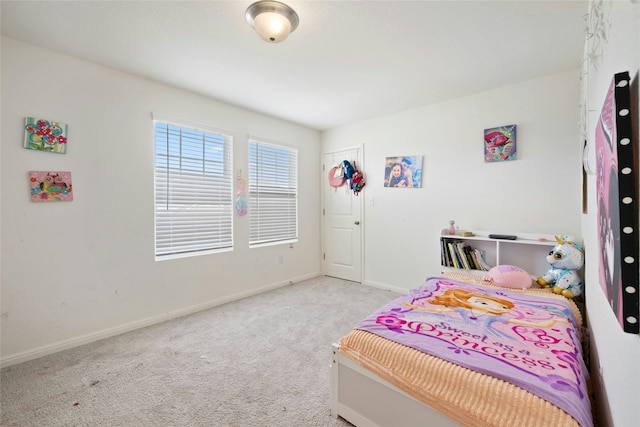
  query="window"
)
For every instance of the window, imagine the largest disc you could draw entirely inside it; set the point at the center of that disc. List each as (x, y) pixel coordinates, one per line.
(193, 190)
(273, 193)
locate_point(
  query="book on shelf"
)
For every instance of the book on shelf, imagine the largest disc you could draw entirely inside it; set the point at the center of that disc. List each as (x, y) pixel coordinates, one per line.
(449, 252)
(463, 255)
(452, 253)
(444, 254)
(474, 257)
(469, 253)
(458, 254)
(480, 257)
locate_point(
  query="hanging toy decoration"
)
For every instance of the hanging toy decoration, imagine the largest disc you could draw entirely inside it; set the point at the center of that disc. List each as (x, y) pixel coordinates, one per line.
(348, 169)
(241, 197)
(336, 176)
(346, 172)
(357, 180)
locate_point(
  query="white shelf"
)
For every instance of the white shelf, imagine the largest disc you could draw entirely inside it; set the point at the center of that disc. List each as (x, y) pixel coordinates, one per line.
(528, 251)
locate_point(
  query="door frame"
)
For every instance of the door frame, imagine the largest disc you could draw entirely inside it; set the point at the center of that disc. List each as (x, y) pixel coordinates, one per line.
(325, 187)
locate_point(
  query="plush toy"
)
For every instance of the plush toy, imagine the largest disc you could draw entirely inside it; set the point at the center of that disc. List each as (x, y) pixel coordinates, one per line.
(565, 258)
(509, 276)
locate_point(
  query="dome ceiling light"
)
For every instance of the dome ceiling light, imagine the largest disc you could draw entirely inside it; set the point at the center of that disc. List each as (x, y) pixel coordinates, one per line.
(272, 20)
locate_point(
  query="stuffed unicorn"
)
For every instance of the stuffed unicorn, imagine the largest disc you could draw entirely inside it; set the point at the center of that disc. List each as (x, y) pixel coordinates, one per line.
(565, 258)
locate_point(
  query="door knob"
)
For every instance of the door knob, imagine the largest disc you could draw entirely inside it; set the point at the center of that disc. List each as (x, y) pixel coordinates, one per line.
(356, 222)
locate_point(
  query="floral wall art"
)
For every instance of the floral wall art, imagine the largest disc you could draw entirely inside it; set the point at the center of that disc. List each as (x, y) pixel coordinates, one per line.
(45, 135)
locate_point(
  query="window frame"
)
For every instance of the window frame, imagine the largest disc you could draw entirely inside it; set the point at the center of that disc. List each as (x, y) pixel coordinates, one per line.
(289, 194)
(215, 202)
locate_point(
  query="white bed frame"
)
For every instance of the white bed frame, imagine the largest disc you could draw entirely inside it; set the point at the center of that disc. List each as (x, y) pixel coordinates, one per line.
(366, 400)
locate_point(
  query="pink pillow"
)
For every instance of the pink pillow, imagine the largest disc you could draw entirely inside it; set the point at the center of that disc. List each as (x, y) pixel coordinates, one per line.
(509, 276)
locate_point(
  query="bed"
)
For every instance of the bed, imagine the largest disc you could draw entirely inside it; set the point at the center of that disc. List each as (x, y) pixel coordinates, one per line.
(458, 351)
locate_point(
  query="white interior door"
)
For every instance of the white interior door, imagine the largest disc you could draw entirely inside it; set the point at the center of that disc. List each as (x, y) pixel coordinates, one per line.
(342, 244)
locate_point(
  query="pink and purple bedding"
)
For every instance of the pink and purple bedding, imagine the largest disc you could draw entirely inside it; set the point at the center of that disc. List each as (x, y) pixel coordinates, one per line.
(527, 340)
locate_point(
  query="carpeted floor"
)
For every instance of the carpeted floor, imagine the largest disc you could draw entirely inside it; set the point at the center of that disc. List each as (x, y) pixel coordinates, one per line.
(259, 361)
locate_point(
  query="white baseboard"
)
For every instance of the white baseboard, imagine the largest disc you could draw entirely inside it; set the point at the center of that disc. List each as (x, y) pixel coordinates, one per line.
(386, 287)
(14, 359)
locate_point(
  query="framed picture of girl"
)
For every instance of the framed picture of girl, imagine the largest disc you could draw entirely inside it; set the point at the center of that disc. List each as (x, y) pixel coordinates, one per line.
(403, 172)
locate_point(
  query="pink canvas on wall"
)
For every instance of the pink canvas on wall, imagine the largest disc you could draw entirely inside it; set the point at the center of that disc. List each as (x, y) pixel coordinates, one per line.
(50, 186)
(500, 144)
(617, 208)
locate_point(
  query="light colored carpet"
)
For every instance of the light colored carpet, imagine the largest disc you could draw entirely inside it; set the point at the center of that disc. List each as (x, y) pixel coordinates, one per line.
(259, 361)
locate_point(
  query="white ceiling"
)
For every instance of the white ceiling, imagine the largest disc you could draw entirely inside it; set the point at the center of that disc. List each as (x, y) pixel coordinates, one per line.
(348, 60)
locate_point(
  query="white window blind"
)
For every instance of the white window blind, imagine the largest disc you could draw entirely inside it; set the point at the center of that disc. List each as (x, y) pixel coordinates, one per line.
(193, 190)
(273, 193)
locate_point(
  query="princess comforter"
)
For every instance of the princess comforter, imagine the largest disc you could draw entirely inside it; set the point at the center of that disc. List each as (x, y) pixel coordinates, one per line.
(503, 355)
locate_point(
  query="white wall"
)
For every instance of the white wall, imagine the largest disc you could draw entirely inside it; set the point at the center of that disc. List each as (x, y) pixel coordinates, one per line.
(537, 193)
(618, 353)
(76, 271)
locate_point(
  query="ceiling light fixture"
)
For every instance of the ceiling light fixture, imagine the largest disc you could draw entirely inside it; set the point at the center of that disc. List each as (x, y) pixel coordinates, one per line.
(272, 20)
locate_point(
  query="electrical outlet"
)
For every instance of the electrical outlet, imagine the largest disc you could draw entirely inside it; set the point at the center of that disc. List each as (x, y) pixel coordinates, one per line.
(280, 259)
